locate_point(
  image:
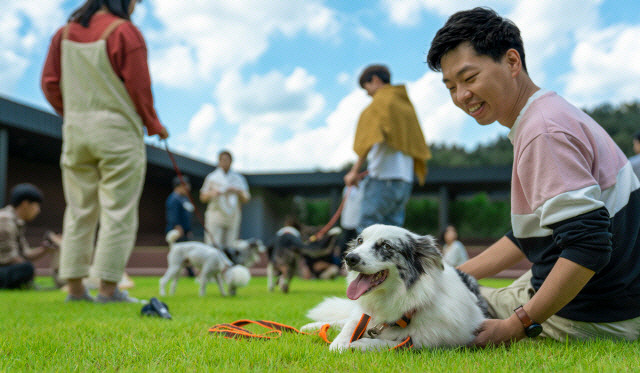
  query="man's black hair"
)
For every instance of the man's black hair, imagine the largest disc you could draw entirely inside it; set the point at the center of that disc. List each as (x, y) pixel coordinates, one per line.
(487, 32)
(636, 136)
(381, 71)
(227, 153)
(24, 192)
(176, 181)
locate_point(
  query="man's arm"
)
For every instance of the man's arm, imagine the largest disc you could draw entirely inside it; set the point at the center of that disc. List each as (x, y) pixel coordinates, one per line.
(353, 176)
(564, 282)
(501, 255)
(208, 192)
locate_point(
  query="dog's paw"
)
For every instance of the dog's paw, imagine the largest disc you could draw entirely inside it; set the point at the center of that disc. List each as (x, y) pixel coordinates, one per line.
(339, 346)
(367, 344)
(312, 326)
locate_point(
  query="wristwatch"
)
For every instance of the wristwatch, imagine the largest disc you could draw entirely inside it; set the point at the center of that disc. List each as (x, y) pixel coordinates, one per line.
(531, 328)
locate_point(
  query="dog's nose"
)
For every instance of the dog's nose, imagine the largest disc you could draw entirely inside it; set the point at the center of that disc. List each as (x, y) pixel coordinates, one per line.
(352, 259)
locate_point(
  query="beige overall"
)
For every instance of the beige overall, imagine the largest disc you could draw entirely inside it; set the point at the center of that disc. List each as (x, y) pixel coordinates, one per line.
(103, 163)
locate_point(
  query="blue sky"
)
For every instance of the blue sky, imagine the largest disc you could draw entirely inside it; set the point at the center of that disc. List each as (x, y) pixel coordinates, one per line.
(275, 82)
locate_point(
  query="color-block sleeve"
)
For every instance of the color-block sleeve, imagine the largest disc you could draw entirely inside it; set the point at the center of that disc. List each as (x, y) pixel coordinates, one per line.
(51, 72)
(585, 239)
(556, 178)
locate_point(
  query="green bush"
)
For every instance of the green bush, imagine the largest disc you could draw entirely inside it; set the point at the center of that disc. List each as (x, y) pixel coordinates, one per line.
(477, 217)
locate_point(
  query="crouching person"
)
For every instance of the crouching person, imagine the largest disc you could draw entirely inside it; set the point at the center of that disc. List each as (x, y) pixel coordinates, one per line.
(16, 270)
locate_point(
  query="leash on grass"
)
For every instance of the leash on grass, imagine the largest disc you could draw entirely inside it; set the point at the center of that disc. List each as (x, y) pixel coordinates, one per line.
(336, 215)
(181, 178)
(235, 330)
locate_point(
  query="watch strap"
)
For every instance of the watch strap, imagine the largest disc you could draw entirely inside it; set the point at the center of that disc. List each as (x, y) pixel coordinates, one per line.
(524, 317)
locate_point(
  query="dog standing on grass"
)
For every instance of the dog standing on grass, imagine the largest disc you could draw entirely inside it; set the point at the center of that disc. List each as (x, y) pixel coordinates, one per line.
(287, 250)
(399, 279)
(210, 261)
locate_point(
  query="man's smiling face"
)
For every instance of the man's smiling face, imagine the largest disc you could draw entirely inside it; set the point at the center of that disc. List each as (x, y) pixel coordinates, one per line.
(481, 87)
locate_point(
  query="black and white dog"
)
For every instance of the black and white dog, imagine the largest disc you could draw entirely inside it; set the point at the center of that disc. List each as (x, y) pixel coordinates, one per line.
(288, 248)
(245, 252)
(398, 278)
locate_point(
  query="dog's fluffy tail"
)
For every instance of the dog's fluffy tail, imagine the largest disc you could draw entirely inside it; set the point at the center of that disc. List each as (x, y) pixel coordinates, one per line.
(237, 276)
(172, 236)
(332, 309)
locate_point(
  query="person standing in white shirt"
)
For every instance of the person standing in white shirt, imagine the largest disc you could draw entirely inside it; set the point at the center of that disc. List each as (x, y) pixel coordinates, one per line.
(224, 191)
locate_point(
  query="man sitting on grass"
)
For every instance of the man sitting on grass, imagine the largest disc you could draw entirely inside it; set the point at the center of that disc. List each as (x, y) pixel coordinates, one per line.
(575, 201)
(15, 269)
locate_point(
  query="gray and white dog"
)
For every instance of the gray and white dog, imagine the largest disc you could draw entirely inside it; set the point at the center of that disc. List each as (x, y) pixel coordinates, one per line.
(210, 261)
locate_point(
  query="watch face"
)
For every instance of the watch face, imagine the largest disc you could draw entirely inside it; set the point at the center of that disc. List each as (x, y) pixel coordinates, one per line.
(533, 330)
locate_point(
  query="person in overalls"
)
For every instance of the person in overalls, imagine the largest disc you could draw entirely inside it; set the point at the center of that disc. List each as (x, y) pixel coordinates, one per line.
(97, 78)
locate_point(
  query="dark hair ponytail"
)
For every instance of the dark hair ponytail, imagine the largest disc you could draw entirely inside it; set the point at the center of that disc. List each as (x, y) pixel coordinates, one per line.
(83, 14)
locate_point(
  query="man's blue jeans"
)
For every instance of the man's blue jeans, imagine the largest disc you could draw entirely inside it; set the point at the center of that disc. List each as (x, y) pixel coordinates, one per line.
(384, 202)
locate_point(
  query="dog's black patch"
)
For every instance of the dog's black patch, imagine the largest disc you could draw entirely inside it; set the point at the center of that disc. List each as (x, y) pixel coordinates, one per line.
(411, 256)
(472, 285)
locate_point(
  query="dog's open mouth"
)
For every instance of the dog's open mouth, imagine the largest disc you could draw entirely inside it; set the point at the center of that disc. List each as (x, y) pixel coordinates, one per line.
(365, 283)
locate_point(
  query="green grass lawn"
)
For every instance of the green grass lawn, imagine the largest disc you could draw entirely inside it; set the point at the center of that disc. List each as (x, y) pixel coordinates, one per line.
(40, 332)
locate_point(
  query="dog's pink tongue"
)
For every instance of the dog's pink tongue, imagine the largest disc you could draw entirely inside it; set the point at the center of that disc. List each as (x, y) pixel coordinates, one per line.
(359, 286)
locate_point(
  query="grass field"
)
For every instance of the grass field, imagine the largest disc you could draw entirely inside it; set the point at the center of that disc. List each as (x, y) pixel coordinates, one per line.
(40, 332)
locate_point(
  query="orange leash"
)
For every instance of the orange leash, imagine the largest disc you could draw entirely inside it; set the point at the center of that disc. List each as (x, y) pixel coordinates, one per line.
(235, 330)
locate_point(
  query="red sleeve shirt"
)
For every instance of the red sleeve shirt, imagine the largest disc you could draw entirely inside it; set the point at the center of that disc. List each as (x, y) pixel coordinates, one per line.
(127, 53)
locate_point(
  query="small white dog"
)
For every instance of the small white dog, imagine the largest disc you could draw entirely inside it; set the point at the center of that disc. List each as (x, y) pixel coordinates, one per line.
(211, 262)
(398, 278)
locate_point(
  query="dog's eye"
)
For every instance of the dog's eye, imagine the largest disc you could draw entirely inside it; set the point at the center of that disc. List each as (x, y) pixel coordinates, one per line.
(359, 241)
(386, 246)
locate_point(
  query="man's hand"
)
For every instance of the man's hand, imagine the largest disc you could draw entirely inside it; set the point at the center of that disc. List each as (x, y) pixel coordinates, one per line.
(495, 332)
(351, 178)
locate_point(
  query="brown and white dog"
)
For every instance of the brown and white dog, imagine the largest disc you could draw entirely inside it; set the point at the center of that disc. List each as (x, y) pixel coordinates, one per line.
(398, 278)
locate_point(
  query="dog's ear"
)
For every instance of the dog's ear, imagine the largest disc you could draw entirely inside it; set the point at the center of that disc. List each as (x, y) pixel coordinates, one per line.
(427, 250)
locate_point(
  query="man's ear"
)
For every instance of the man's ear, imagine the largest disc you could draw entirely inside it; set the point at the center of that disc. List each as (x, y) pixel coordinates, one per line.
(514, 61)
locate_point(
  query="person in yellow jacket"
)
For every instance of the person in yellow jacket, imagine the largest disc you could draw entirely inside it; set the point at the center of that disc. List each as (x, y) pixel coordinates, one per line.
(389, 138)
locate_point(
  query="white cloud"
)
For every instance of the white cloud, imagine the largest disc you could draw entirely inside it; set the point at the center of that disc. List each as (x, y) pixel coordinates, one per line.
(174, 66)
(440, 119)
(12, 66)
(215, 36)
(202, 122)
(26, 28)
(549, 27)
(365, 34)
(409, 12)
(272, 99)
(605, 67)
(343, 78)
(327, 147)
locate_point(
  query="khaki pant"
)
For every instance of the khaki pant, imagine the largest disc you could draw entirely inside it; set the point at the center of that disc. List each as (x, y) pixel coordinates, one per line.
(103, 169)
(223, 229)
(503, 301)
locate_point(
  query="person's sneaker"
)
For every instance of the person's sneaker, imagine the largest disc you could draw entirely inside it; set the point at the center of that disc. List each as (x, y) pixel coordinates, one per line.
(86, 297)
(118, 296)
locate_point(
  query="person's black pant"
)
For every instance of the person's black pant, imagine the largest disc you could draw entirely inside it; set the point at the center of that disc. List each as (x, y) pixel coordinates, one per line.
(15, 276)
